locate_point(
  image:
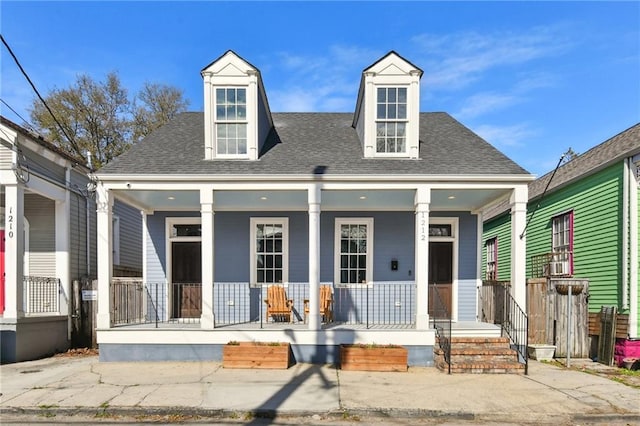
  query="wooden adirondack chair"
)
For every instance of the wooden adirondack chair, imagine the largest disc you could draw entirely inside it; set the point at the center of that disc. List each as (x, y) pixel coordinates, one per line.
(326, 304)
(278, 306)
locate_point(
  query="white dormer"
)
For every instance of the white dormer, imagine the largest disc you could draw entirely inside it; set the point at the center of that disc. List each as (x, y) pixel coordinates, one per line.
(387, 116)
(236, 111)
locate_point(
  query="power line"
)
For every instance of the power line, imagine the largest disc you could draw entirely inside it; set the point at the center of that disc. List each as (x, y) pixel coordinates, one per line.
(33, 86)
(562, 157)
(19, 116)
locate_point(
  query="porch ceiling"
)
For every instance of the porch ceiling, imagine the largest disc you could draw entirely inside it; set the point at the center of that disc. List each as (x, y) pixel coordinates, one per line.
(441, 199)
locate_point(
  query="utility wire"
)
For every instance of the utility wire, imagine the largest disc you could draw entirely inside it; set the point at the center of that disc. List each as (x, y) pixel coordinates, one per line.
(19, 116)
(562, 157)
(33, 86)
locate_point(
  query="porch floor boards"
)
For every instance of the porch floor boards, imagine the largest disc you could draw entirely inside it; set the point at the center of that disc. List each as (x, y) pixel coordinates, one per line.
(462, 328)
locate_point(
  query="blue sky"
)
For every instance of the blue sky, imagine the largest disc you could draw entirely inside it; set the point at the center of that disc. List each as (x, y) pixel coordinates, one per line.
(532, 78)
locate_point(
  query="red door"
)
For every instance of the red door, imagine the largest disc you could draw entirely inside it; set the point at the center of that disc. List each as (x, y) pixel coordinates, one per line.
(1, 271)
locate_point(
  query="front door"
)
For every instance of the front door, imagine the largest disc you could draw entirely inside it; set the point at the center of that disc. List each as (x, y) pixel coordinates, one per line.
(440, 278)
(186, 279)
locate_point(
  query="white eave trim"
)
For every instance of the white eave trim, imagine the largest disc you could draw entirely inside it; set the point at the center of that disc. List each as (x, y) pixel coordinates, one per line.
(317, 178)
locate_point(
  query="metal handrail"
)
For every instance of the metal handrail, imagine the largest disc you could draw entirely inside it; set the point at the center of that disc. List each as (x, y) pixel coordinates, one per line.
(515, 325)
(442, 323)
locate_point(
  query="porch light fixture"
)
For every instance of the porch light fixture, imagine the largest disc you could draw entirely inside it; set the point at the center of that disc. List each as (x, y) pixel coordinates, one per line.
(171, 197)
(451, 197)
(363, 197)
(263, 198)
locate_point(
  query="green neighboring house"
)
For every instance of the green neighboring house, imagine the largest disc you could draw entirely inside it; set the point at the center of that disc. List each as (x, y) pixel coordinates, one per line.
(585, 226)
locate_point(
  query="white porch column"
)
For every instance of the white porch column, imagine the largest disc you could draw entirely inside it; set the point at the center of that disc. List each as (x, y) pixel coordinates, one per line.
(518, 202)
(422, 201)
(207, 320)
(63, 220)
(104, 203)
(479, 248)
(14, 250)
(314, 196)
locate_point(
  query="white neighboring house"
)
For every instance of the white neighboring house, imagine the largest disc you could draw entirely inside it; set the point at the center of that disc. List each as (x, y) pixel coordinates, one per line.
(48, 240)
(377, 204)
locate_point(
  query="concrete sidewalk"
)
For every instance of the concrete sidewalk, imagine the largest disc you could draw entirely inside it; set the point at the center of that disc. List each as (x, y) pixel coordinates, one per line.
(548, 394)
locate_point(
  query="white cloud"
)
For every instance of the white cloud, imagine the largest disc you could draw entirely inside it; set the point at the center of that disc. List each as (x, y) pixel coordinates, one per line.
(294, 100)
(483, 103)
(454, 61)
(327, 82)
(504, 136)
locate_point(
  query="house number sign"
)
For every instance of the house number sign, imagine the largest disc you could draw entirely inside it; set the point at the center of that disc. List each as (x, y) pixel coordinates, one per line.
(423, 225)
(10, 223)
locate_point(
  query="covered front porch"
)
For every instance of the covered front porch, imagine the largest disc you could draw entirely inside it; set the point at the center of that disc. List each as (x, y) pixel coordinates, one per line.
(213, 251)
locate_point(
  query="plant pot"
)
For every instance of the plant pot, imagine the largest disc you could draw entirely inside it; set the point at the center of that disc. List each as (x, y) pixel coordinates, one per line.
(629, 362)
(373, 357)
(269, 355)
(564, 289)
(541, 352)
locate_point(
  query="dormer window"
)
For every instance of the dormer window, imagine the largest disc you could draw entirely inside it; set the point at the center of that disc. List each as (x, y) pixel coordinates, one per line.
(231, 122)
(391, 120)
(237, 118)
(387, 117)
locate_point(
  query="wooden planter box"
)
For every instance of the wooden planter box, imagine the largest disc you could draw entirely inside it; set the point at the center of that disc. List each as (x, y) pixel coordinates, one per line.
(256, 355)
(373, 358)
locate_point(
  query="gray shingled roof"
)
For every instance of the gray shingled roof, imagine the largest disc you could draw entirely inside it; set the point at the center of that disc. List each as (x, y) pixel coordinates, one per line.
(622, 145)
(301, 142)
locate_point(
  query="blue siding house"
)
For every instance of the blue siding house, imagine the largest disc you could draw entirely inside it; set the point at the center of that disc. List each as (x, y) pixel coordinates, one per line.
(382, 205)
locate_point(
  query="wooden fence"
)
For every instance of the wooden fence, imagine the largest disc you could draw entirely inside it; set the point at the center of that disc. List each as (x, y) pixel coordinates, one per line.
(622, 325)
(548, 311)
(492, 301)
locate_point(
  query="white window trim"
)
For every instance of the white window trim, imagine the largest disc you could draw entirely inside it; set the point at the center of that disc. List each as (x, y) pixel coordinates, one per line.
(454, 238)
(336, 248)
(253, 223)
(245, 121)
(405, 120)
(116, 239)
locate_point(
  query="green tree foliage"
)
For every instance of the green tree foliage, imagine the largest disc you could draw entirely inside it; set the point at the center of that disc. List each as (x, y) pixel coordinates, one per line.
(99, 117)
(155, 105)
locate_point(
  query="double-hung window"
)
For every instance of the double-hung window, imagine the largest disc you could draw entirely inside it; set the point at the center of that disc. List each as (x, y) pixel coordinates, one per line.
(562, 244)
(231, 122)
(354, 250)
(492, 259)
(391, 120)
(270, 248)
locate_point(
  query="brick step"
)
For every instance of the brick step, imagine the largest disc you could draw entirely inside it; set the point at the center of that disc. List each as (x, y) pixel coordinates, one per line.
(480, 356)
(483, 358)
(483, 350)
(479, 342)
(471, 368)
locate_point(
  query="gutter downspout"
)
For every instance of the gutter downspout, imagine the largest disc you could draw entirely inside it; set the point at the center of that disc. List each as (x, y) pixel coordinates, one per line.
(625, 270)
(633, 252)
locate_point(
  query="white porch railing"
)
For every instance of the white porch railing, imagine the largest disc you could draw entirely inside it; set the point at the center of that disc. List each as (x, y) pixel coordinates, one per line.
(41, 295)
